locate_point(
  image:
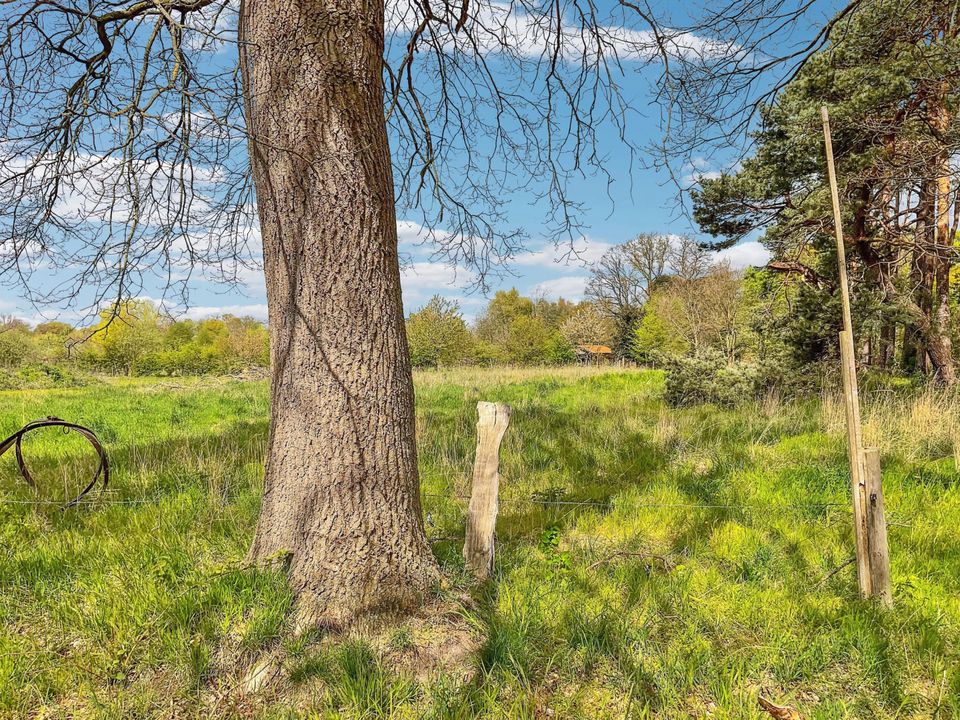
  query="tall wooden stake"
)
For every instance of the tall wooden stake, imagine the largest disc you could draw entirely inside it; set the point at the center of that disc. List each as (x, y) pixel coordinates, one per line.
(851, 393)
(482, 518)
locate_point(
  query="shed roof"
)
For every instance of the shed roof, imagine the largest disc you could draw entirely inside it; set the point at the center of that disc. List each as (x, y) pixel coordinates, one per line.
(596, 349)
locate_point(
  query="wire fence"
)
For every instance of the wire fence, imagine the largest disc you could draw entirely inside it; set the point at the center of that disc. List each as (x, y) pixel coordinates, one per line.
(801, 512)
(606, 505)
(610, 503)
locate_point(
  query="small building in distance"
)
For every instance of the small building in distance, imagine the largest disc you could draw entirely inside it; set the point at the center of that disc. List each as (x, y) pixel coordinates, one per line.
(593, 354)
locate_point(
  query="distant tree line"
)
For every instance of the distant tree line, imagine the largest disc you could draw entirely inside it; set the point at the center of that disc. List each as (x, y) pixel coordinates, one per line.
(654, 297)
(139, 340)
(512, 329)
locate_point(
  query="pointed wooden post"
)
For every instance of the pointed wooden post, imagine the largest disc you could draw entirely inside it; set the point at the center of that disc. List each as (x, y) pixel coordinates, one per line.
(851, 393)
(492, 422)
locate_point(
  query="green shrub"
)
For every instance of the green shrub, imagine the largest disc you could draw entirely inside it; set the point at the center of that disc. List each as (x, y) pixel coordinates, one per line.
(40, 376)
(17, 346)
(711, 378)
(708, 378)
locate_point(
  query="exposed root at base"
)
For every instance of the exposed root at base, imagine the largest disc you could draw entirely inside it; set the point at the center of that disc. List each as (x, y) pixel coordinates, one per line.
(263, 673)
(434, 640)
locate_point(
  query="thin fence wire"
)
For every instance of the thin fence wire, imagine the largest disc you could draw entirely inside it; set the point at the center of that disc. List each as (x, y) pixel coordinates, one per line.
(101, 501)
(610, 504)
(780, 508)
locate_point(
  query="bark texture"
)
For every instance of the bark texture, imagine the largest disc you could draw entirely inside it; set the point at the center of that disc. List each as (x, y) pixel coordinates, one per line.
(943, 245)
(341, 489)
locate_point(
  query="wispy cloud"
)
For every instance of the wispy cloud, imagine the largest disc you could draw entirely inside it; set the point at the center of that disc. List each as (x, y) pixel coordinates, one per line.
(254, 310)
(568, 288)
(744, 255)
(435, 274)
(498, 27)
(564, 258)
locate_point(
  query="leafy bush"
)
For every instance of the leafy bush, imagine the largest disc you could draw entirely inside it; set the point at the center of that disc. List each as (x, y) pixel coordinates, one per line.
(711, 378)
(16, 346)
(40, 376)
(708, 378)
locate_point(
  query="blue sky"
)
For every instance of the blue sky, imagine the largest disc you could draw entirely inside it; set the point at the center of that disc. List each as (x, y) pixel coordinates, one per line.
(638, 200)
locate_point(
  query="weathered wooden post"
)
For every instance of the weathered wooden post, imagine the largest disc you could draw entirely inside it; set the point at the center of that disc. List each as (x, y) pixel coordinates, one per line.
(851, 395)
(877, 529)
(492, 422)
(855, 454)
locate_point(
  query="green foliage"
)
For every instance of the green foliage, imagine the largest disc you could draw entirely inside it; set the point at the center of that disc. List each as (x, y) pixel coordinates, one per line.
(709, 378)
(655, 337)
(141, 341)
(121, 338)
(137, 341)
(525, 340)
(17, 345)
(519, 330)
(437, 335)
(40, 376)
(712, 378)
(882, 76)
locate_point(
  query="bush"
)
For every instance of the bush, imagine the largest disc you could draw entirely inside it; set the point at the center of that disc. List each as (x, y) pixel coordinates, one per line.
(16, 346)
(708, 378)
(711, 378)
(38, 377)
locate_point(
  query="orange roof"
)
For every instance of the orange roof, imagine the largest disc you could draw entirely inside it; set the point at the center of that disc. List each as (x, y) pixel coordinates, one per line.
(596, 349)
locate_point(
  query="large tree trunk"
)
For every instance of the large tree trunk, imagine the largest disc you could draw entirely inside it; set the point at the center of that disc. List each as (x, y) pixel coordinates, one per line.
(341, 491)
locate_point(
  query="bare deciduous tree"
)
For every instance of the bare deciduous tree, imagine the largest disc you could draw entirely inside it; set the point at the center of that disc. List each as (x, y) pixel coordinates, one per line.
(587, 326)
(649, 254)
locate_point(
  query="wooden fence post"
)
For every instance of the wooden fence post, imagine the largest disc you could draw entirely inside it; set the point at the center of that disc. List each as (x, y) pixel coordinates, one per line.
(851, 394)
(492, 422)
(858, 492)
(877, 528)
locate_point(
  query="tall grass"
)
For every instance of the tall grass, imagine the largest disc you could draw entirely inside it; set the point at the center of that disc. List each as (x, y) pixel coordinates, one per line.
(652, 562)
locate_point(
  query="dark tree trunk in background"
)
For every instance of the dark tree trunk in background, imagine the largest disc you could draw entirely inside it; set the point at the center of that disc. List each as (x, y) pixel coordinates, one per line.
(888, 341)
(943, 245)
(342, 490)
(934, 286)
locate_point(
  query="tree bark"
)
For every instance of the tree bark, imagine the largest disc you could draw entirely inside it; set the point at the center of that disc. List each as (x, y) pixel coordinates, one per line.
(933, 301)
(943, 245)
(888, 340)
(341, 494)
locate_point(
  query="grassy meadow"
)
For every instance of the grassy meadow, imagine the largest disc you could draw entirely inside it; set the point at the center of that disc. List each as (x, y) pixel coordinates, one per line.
(652, 562)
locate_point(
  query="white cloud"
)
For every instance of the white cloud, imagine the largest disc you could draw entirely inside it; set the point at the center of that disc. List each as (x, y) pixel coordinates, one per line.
(698, 176)
(744, 255)
(569, 288)
(255, 310)
(213, 27)
(565, 258)
(697, 169)
(251, 277)
(508, 28)
(411, 233)
(421, 275)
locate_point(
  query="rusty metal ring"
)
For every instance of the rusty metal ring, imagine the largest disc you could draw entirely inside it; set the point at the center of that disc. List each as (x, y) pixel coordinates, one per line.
(15, 440)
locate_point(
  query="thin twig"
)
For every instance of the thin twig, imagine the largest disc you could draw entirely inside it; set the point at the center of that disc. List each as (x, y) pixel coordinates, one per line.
(837, 569)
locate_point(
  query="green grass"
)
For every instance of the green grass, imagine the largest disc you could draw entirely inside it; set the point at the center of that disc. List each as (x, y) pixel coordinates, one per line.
(677, 572)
